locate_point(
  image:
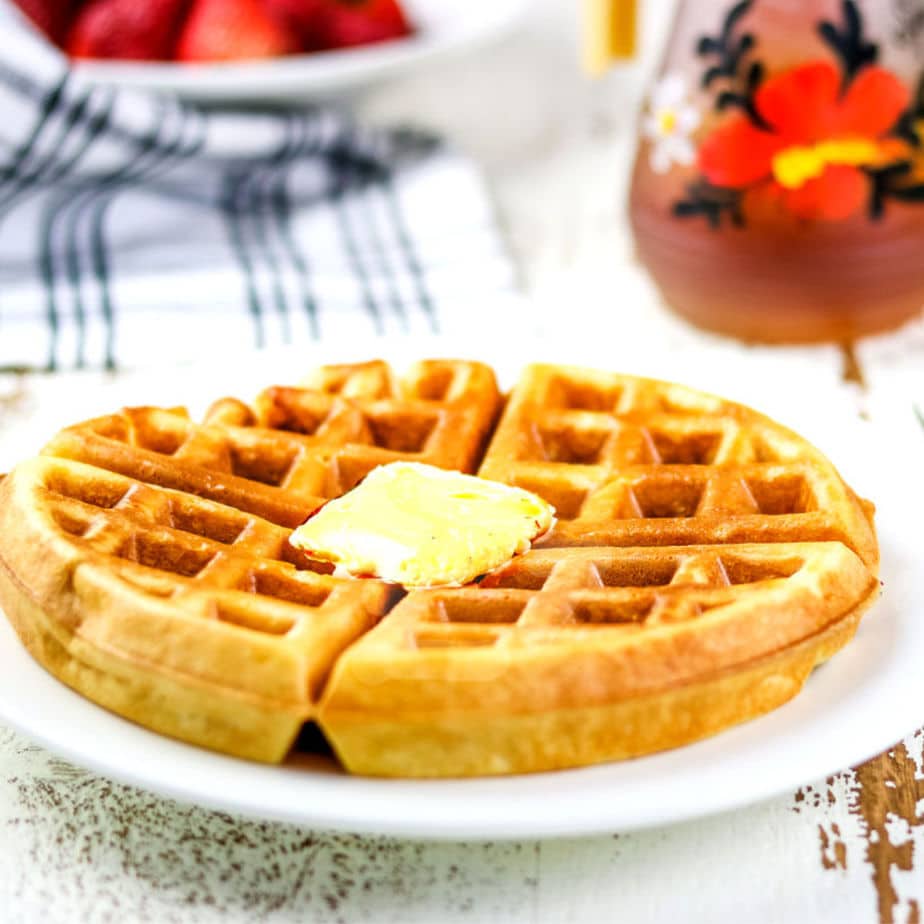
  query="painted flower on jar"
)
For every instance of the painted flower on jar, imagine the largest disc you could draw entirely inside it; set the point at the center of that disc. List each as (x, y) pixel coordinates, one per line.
(669, 122)
(809, 142)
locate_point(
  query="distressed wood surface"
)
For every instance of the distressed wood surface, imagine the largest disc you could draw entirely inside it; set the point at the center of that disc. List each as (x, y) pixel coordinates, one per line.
(77, 847)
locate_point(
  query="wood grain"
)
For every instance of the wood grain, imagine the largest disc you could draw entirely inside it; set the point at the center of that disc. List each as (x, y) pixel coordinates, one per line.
(889, 789)
(869, 824)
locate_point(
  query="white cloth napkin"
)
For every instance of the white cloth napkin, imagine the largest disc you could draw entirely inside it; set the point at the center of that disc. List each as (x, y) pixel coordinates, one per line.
(136, 229)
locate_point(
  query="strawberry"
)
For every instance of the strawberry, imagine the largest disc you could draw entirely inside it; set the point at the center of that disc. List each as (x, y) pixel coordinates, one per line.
(229, 30)
(302, 17)
(346, 23)
(51, 16)
(127, 29)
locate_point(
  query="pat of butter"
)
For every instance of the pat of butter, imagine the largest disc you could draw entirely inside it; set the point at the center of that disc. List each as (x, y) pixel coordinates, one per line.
(422, 526)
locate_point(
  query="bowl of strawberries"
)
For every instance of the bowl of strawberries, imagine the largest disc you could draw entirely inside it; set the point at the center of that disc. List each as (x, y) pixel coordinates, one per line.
(261, 49)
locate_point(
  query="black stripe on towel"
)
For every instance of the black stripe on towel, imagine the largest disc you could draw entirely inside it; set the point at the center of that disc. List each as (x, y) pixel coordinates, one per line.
(53, 212)
(259, 209)
(409, 249)
(234, 183)
(47, 108)
(281, 206)
(161, 159)
(72, 211)
(348, 175)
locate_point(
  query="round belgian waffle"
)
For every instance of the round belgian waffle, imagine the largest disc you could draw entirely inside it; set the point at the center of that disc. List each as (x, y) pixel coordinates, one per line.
(704, 561)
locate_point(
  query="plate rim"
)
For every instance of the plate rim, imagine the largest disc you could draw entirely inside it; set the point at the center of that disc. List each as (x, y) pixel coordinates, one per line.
(406, 824)
(843, 716)
(862, 701)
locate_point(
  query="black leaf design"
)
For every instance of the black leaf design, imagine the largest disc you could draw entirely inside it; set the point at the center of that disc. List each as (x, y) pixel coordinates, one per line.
(728, 99)
(891, 183)
(909, 193)
(713, 203)
(731, 51)
(725, 47)
(712, 74)
(735, 14)
(908, 127)
(849, 43)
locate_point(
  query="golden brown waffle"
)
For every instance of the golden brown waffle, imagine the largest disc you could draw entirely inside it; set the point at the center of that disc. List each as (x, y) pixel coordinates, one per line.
(631, 461)
(175, 611)
(299, 446)
(573, 656)
(144, 557)
(706, 559)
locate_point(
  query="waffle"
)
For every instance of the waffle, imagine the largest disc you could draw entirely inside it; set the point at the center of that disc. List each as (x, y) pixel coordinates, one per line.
(705, 560)
(144, 558)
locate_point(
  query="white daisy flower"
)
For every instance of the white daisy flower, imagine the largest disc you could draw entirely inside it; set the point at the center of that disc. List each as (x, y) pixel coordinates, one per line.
(669, 121)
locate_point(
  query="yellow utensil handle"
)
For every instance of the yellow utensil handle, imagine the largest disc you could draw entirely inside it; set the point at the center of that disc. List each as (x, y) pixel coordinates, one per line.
(609, 32)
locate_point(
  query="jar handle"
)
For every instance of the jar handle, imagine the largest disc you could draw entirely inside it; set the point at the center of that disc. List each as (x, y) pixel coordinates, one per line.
(609, 32)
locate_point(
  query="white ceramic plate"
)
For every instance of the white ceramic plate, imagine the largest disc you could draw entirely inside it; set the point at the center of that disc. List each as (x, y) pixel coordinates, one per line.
(444, 27)
(862, 701)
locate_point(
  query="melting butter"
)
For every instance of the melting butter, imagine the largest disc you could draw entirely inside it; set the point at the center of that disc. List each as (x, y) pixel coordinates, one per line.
(422, 526)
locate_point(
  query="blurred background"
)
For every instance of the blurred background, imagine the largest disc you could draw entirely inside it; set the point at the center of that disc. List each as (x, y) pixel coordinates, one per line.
(556, 145)
(547, 151)
(501, 84)
(527, 226)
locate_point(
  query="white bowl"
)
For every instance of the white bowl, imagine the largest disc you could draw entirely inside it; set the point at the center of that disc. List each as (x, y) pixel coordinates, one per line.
(443, 27)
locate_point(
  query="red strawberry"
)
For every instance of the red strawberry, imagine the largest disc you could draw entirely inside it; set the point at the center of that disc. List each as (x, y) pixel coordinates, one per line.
(51, 16)
(345, 23)
(229, 30)
(302, 17)
(128, 29)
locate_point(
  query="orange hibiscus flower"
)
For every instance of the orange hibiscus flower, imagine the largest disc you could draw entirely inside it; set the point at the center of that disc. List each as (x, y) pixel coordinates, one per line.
(816, 138)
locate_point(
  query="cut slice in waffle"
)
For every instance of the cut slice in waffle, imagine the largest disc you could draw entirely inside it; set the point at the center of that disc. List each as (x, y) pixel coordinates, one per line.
(705, 560)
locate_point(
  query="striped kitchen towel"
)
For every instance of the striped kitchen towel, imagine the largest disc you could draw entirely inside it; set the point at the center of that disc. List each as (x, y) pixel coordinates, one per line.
(136, 229)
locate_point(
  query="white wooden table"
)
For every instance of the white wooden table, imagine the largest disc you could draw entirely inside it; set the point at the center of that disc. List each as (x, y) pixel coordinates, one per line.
(76, 847)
